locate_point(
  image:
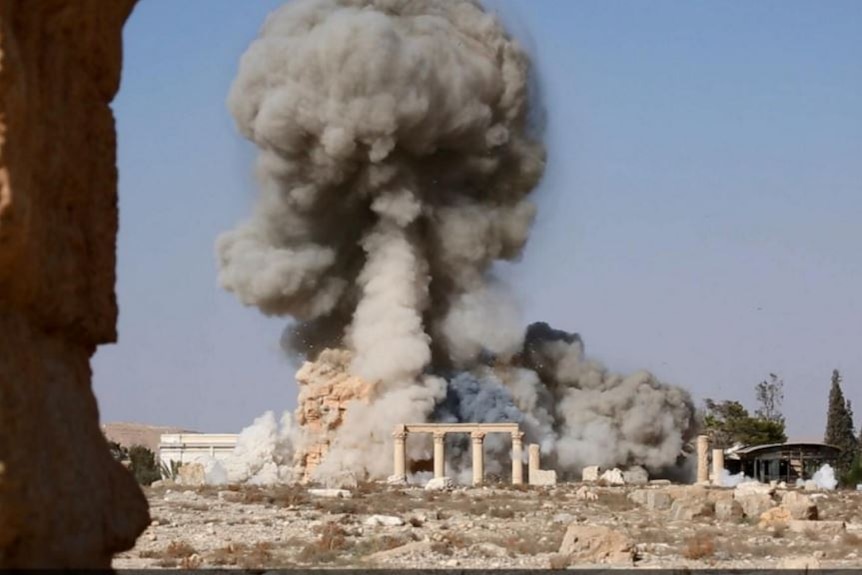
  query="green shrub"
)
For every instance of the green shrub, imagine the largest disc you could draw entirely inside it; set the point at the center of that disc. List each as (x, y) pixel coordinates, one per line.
(143, 465)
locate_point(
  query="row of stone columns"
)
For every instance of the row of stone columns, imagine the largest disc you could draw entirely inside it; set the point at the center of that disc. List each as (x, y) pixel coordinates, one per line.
(703, 461)
(478, 441)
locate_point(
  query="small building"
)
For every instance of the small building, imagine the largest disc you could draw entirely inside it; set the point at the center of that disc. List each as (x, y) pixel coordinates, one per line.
(195, 447)
(780, 461)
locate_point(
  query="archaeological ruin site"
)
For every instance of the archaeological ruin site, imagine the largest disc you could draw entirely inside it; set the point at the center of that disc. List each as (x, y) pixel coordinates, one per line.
(431, 429)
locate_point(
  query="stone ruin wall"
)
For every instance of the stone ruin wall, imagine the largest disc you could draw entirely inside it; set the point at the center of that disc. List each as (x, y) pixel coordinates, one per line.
(326, 389)
(64, 502)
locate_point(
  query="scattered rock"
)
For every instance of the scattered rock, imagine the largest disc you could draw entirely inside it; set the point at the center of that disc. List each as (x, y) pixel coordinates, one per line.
(613, 477)
(586, 494)
(799, 505)
(728, 510)
(689, 509)
(750, 487)
(651, 498)
(336, 493)
(801, 563)
(440, 484)
(412, 548)
(383, 521)
(564, 518)
(591, 473)
(754, 504)
(597, 544)
(191, 474)
(396, 480)
(636, 475)
(819, 527)
(488, 550)
(773, 517)
(659, 482)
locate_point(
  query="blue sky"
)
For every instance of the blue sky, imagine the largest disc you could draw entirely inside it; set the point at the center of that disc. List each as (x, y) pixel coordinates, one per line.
(699, 217)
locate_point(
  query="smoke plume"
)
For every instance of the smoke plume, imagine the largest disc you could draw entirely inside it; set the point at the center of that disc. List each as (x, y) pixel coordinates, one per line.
(396, 158)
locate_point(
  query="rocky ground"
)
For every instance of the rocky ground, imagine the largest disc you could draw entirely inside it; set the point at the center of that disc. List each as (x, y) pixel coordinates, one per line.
(373, 525)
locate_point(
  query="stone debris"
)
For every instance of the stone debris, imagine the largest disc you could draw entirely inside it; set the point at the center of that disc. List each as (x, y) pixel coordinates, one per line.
(774, 517)
(597, 544)
(584, 493)
(613, 477)
(591, 474)
(690, 509)
(383, 521)
(340, 493)
(754, 503)
(819, 527)
(191, 474)
(799, 505)
(651, 498)
(728, 510)
(440, 484)
(636, 475)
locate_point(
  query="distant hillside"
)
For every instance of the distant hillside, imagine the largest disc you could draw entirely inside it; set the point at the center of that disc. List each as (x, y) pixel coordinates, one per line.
(128, 434)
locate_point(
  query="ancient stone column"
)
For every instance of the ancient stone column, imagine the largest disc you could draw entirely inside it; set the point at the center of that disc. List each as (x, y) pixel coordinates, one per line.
(478, 456)
(439, 454)
(399, 453)
(717, 466)
(517, 456)
(702, 458)
(534, 455)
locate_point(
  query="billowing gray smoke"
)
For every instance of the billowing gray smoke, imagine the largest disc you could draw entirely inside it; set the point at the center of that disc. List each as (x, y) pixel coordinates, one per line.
(395, 162)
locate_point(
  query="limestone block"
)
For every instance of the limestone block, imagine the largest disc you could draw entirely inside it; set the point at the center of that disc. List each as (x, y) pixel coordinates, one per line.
(755, 487)
(383, 521)
(820, 527)
(440, 484)
(802, 564)
(651, 498)
(754, 504)
(597, 544)
(191, 474)
(799, 505)
(773, 517)
(591, 473)
(728, 510)
(636, 475)
(689, 509)
(613, 477)
(543, 477)
(334, 493)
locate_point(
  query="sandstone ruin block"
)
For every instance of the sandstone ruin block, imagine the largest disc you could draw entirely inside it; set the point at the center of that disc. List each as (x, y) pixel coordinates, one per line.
(690, 509)
(64, 501)
(636, 475)
(613, 477)
(819, 527)
(728, 510)
(591, 473)
(597, 544)
(799, 505)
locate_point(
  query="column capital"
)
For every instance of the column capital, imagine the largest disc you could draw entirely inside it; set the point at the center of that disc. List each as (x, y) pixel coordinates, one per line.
(399, 435)
(477, 436)
(518, 436)
(439, 435)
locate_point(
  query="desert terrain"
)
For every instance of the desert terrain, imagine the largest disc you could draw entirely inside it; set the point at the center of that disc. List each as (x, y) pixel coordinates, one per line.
(374, 525)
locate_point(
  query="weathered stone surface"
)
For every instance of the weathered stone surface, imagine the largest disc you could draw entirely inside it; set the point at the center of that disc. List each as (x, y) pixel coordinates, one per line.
(613, 477)
(384, 521)
(636, 475)
(64, 502)
(728, 510)
(336, 493)
(749, 487)
(651, 498)
(754, 504)
(191, 474)
(439, 484)
(591, 473)
(326, 387)
(799, 563)
(799, 505)
(820, 527)
(542, 477)
(689, 509)
(774, 517)
(597, 544)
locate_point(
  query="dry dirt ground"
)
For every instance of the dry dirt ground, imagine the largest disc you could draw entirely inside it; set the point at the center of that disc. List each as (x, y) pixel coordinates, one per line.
(488, 527)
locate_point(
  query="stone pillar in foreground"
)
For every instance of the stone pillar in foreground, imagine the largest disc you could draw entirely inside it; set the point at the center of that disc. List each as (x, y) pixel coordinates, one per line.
(478, 438)
(439, 453)
(399, 454)
(702, 458)
(517, 456)
(534, 461)
(717, 466)
(65, 503)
